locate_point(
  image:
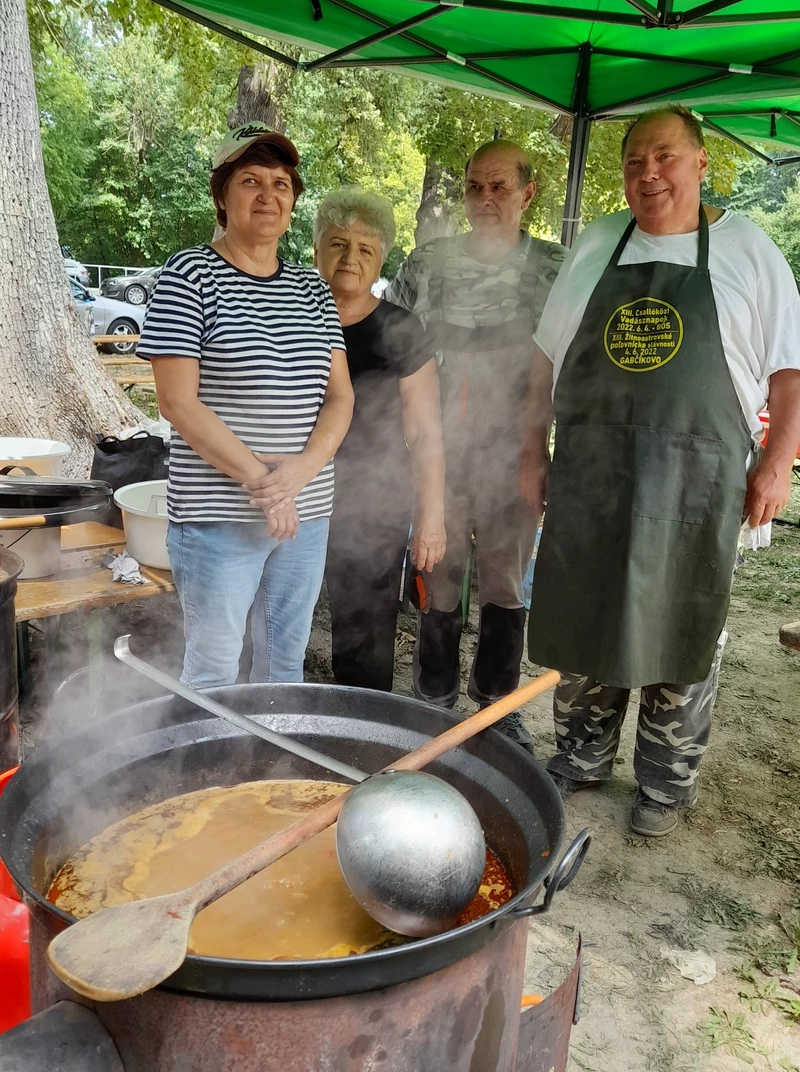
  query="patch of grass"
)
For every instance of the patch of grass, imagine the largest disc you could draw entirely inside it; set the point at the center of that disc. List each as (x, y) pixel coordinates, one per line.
(636, 841)
(713, 903)
(761, 997)
(771, 995)
(677, 933)
(729, 1031)
(146, 401)
(777, 849)
(609, 880)
(775, 954)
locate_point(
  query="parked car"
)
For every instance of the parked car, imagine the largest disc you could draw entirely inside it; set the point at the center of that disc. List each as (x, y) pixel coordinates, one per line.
(83, 303)
(76, 270)
(134, 288)
(112, 318)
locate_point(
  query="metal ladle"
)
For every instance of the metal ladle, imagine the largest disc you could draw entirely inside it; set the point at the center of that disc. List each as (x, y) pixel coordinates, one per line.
(410, 846)
(125, 655)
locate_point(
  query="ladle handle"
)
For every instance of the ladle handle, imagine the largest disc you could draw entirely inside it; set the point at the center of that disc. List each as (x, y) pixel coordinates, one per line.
(481, 720)
(124, 654)
(250, 863)
(36, 522)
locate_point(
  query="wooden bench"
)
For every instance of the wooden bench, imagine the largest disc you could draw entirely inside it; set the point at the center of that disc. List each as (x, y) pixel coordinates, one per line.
(126, 382)
(118, 362)
(104, 340)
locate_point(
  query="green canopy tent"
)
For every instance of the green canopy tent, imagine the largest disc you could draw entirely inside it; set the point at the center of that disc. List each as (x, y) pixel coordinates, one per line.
(736, 64)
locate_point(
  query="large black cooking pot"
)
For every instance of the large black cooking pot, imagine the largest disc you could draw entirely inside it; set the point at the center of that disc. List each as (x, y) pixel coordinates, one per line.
(74, 787)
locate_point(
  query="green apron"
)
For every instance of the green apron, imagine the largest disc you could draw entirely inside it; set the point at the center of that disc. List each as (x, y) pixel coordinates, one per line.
(647, 483)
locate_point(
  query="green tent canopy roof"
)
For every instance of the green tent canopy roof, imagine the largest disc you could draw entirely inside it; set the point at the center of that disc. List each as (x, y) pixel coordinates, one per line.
(737, 64)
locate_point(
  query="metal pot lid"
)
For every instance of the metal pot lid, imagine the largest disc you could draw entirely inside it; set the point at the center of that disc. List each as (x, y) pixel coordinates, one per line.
(59, 500)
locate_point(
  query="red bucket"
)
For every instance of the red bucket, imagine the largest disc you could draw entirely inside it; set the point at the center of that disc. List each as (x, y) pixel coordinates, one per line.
(15, 993)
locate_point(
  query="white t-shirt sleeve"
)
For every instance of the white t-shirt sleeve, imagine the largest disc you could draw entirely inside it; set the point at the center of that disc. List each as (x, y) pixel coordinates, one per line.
(550, 331)
(175, 320)
(778, 304)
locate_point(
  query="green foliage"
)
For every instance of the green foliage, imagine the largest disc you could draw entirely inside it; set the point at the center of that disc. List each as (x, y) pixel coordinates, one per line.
(127, 166)
(762, 996)
(770, 196)
(350, 127)
(65, 109)
(728, 1031)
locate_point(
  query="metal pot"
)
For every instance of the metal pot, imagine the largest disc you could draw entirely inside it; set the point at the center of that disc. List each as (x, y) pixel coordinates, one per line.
(73, 788)
(58, 501)
(11, 566)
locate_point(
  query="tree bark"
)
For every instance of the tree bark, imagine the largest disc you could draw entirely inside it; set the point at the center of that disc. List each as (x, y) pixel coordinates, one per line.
(52, 384)
(438, 215)
(255, 98)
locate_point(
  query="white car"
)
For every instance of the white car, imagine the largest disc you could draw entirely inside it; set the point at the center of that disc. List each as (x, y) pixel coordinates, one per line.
(110, 317)
(77, 271)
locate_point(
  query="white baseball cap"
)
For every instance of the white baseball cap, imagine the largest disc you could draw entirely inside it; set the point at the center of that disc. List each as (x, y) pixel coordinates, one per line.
(236, 141)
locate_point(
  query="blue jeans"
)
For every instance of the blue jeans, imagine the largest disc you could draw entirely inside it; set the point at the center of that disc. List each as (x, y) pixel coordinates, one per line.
(219, 568)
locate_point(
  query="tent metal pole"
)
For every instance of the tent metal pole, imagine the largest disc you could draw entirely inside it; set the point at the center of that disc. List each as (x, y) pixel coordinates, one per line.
(548, 11)
(578, 150)
(649, 12)
(470, 57)
(737, 141)
(226, 31)
(377, 37)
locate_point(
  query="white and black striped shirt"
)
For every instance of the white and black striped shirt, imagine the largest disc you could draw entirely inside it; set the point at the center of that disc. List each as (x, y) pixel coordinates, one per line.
(264, 346)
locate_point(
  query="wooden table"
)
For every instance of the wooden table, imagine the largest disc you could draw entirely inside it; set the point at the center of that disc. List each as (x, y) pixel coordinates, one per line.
(82, 583)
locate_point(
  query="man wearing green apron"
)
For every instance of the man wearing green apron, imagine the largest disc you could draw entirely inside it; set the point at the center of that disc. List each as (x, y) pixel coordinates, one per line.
(480, 296)
(668, 330)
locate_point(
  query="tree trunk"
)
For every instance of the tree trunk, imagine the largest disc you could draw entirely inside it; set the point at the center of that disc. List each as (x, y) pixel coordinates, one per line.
(255, 98)
(438, 215)
(53, 384)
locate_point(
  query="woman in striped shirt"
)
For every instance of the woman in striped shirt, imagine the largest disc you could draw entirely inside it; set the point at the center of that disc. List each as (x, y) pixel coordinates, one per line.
(250, 369)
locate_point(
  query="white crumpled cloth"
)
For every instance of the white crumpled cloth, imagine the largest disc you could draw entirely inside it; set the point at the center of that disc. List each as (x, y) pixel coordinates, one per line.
(697, 966)
(124, 568)
(754, 539)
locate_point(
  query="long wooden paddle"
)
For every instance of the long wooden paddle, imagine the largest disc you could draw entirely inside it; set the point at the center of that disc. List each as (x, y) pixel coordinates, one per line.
(125, 950)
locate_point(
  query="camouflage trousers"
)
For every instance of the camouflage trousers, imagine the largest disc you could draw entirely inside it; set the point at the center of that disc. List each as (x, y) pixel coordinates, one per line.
(672, 733)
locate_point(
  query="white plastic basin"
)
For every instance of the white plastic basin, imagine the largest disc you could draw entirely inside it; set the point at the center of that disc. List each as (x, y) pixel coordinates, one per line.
(44, 456)
(144, 515)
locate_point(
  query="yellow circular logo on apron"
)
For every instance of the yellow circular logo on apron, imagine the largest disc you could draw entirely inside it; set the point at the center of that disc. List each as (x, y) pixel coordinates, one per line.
(643, 335)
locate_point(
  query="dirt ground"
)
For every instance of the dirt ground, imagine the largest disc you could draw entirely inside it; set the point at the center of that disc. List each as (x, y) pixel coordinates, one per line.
(727, 883)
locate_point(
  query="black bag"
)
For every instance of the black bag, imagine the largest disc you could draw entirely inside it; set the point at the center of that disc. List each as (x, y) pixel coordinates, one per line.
(129, 461)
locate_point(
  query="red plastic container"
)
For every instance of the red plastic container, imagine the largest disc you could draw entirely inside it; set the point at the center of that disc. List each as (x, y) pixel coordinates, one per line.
(15, 990)
(7, 888)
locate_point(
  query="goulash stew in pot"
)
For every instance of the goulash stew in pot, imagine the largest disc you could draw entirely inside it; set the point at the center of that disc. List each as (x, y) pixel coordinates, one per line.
(297, 909)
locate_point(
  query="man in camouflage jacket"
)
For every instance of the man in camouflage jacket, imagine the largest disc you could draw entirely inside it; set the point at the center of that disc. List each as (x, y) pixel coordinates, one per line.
(480, 296)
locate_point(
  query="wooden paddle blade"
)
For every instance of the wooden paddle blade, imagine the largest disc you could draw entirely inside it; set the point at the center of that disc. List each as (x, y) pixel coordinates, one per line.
(125, 950)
